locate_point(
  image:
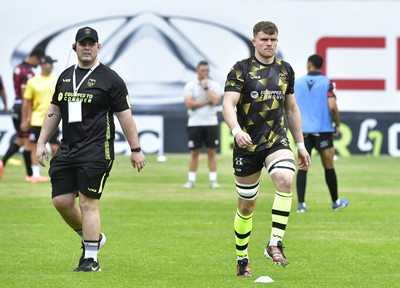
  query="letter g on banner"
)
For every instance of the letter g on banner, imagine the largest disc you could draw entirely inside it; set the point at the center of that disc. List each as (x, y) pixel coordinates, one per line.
(366, 136)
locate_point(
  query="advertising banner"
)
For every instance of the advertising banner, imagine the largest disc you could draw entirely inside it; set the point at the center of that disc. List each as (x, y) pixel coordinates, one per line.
(155, 45)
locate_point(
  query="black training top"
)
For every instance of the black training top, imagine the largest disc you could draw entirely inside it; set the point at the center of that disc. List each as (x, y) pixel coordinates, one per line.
(101, 94)
(263, 89)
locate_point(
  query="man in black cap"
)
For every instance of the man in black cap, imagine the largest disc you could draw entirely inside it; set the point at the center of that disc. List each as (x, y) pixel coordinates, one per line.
(86, 97)
(37, 96)
(86, 33)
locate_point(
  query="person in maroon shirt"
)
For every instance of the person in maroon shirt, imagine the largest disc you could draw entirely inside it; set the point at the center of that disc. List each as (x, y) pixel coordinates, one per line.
(22, 73)
(3, 95)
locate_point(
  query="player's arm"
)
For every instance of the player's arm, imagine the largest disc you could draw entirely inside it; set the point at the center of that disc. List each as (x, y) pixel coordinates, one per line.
(333, 108)
(293, 117)
(26, 111)
(191, 103)
(334, 111)
(50, 124)
(129, 129)
(229, 112)
(211, 94)
(3, 96)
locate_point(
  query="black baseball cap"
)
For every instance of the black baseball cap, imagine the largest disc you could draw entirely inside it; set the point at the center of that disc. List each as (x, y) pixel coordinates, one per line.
(86, 32)
(47, 59)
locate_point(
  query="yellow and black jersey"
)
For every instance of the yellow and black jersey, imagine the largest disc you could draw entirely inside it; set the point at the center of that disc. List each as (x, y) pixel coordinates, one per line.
(101, 94)
(263, 89)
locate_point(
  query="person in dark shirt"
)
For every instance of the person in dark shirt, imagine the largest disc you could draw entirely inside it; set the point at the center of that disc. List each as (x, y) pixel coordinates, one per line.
(22, 73)
(3, 95)
(86, 97)
(258, 98)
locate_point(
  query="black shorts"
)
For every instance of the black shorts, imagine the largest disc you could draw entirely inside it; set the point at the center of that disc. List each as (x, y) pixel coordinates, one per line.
(88, 177)
(199, 135)
(16, 115)
(246, 163)
(34, 133)
(319, 141)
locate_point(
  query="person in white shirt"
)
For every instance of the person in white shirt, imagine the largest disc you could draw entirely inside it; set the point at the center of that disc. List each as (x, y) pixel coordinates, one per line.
(201, 99)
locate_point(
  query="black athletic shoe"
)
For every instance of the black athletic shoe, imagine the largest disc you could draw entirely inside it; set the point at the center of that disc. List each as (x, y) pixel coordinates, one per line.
(88, 265)
(243, 268)
(103, 240)
(276, 254)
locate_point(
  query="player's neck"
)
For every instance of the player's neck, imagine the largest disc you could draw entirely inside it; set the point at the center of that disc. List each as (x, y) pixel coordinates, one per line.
(87, 64)
(265, 60)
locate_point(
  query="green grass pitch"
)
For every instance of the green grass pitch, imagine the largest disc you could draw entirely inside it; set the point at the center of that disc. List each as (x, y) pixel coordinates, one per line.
(161, 235)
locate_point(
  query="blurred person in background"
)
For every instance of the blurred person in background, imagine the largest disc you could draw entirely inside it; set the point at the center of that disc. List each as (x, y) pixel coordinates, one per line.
(3, 95)
(37, 97)
(22, 73)
(316, 97)
(202, 96)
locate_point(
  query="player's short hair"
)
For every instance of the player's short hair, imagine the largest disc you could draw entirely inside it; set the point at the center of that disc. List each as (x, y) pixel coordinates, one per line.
(316, 60)
(267, 27)
(38, 52)
(202, 63)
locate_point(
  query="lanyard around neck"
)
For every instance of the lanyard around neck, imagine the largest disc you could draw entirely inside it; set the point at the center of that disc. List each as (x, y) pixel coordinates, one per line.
(76, 88)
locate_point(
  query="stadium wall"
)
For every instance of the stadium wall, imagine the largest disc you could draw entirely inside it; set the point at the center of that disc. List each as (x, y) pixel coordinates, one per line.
(155, 46)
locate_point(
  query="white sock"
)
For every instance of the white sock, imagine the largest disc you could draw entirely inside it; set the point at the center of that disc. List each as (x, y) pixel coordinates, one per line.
(273, 242)
(36, 170)
(91, 249)
(192, 176)
(212, 176)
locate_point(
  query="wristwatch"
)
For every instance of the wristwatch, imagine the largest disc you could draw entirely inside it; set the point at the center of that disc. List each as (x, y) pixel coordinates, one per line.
(137, 149)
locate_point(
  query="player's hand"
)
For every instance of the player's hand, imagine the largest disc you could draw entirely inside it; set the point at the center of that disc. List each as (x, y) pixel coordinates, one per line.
(25, 126)
(304, 160)
(204, 82)
(138, 160)
(243, 139)
(337, 131)
(41, 151)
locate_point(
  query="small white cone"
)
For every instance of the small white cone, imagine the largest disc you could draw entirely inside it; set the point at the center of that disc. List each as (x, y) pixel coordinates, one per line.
(161, 158)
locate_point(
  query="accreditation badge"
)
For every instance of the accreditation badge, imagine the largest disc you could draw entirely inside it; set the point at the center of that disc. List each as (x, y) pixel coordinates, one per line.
(74, 112)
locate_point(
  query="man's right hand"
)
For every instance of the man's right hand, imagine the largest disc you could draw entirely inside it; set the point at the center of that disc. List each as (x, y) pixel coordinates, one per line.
(41, 151)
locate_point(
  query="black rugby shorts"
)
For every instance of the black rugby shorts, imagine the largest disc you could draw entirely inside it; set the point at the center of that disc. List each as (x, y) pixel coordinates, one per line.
(88, 177)
(246, 163)
(199, 135)
(319, 141)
